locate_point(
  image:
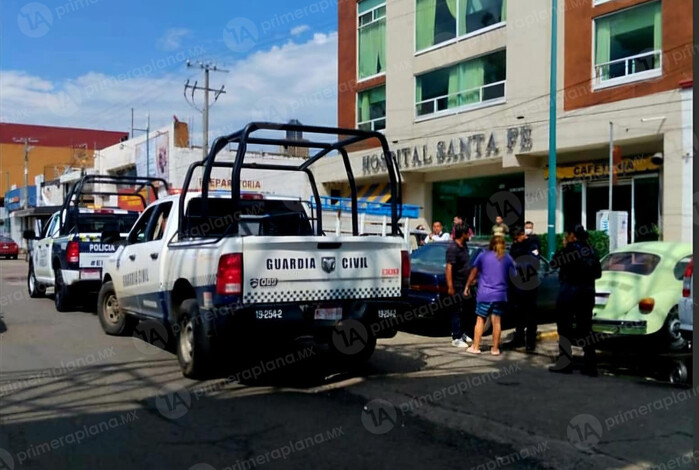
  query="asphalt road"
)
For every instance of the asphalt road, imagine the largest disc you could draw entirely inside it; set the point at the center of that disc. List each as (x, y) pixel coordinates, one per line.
(72, 397)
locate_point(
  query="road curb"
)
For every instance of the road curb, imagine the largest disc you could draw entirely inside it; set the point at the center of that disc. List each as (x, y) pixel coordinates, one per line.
(547, 336)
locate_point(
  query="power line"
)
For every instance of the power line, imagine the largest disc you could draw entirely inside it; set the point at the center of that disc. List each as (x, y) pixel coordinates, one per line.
(206, 67)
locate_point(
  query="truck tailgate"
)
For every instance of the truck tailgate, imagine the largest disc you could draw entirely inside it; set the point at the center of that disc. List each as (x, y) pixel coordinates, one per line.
(293, 269)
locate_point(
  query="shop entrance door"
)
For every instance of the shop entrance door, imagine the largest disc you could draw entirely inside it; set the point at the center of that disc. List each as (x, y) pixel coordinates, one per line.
(598, 200)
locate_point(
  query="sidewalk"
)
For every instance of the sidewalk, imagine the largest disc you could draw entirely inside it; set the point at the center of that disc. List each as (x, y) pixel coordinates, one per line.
(574, 421)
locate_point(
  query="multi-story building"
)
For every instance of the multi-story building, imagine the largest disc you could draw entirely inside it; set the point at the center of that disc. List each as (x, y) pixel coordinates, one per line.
(461, 90)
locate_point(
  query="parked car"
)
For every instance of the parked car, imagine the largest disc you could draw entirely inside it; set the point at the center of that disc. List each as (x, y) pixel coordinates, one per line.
(687, 302)
(8, 248)
(639, 292)
(428, 286)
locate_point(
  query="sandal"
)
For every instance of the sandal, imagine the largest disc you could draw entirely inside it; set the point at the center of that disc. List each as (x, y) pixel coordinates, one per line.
(495, 352)
(473, 350)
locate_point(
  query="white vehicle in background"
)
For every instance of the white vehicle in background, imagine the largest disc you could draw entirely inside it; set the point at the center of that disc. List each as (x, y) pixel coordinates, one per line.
(68, 254)
(226, 270)
(687, 302)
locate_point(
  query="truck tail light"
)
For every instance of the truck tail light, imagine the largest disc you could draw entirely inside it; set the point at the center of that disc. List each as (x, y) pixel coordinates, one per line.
(646, 305)
(73, 252)
(687, 284)
(229, 277)
(405, 268)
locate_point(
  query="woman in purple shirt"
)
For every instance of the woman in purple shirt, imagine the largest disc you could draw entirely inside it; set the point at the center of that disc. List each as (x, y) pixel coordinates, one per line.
(495, 267)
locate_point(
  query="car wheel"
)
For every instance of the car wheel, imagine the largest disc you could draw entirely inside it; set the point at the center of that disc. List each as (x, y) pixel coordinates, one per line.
(62, 296)
(679, 374)
(673, 338)
(35, 289)
(114, 321)
(352, 348)
(194, 348)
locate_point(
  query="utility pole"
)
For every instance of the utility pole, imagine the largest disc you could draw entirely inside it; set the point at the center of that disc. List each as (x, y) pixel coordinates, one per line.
(147, 131)
(611, 168)
(553, 173)
(206, 67)
(26, 141)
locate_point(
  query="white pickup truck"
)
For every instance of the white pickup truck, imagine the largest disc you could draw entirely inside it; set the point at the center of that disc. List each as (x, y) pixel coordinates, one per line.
(221, 270)
(67, 256)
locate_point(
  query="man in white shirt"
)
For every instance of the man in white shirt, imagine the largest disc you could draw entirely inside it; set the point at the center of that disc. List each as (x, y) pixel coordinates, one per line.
(438, 234)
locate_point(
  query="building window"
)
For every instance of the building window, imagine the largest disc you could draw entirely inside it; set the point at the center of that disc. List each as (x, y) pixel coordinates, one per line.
(371, 109)
(439, 21)
(372, 38)
(462, 86)
(628, 45)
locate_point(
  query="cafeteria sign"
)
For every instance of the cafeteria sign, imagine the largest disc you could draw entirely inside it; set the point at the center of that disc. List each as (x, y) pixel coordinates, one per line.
(600, 169)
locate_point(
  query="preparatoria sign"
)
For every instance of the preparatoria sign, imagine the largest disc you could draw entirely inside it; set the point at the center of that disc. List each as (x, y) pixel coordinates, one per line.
(461, 149)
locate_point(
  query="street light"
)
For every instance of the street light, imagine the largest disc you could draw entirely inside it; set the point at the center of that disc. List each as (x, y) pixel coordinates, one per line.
(553, 177)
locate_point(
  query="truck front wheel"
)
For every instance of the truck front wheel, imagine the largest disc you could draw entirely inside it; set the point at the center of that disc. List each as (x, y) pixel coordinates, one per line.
(194, 348)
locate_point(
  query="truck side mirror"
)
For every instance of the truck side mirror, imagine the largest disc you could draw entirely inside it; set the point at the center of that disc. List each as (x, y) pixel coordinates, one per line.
(29, 235)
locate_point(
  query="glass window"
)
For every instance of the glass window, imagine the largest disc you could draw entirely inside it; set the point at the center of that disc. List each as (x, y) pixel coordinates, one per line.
(138, 234)
(438, 21)
(628, 42)
(468, 83)
(371, 109)
(161, 221)
(631, 262)
(372, 37)
(680, 268)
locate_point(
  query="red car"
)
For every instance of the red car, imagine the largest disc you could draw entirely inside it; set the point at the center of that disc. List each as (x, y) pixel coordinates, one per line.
(8, 248)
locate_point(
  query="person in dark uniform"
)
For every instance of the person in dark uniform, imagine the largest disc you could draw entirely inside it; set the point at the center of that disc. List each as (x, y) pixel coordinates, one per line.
(524, 291)
(579, 266)
(458, 261)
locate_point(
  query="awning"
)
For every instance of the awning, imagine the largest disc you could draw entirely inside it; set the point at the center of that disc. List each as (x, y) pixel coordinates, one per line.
(42, 211)
(379, 192)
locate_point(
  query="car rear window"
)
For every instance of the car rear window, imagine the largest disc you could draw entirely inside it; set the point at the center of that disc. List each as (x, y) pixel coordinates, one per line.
(96, 223)
(256, 217)
(631, 262)
(6, 240)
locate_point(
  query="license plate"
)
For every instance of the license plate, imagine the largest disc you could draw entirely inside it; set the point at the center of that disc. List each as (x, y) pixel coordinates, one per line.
(328, 314)
(90, 274)
(601, 299)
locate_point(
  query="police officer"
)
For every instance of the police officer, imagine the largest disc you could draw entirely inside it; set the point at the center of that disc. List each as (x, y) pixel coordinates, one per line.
(579, 266)
(525, 286)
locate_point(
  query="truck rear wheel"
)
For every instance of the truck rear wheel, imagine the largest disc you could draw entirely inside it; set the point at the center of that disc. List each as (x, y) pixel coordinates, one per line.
(194, 348)
(114, 321)
(62, 296)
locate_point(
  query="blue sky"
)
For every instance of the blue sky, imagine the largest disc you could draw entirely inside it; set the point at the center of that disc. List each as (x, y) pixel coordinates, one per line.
(77, 62)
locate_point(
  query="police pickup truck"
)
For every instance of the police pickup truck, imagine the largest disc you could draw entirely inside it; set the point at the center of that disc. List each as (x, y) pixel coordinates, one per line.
(68, 255)
(224, 270)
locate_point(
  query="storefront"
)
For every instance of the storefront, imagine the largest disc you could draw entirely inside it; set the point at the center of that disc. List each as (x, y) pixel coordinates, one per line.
(479, 200)
(584, 191)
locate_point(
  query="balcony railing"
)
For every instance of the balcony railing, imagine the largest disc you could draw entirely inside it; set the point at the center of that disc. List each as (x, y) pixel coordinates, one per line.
(628, 68)
(473, 97)
(377, 124)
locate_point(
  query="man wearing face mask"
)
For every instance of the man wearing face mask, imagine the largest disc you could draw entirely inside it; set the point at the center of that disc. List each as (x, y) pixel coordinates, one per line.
(532, 238)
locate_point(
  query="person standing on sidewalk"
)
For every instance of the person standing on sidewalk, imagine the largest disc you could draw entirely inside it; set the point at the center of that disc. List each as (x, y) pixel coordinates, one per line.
(495, 267)
(456, 274)
(579, 266)
(525, 286)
